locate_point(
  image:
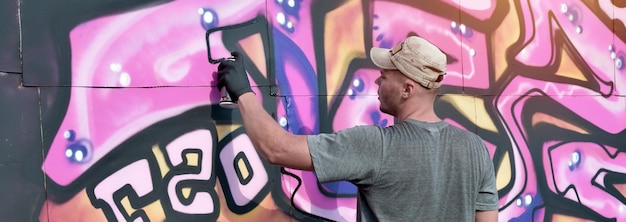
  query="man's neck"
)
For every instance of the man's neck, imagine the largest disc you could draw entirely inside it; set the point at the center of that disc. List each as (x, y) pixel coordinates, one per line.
(423, 113)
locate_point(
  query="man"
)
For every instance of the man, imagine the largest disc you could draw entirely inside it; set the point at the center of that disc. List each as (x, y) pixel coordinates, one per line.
(420, 169)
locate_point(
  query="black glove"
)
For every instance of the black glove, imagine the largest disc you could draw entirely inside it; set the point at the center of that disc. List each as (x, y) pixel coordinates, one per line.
(232, 75)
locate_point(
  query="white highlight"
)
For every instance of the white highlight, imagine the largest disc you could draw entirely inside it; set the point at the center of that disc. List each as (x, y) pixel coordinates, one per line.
(67, 134)
(115, 67)
(280, 18)
(124, 79)
(528, 199)
(575, 157)
(350, 92)
(207, 17)
(564, 8)
(462, 28)
(79, 156)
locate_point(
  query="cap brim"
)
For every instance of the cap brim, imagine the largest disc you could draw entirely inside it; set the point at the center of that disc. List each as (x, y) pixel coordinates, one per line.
(381, 58)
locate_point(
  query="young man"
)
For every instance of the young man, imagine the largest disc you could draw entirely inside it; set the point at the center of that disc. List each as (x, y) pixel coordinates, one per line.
(420, 169)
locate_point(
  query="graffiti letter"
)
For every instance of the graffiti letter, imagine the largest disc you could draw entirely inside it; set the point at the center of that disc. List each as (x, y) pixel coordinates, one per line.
(119, 186)
(191, 189)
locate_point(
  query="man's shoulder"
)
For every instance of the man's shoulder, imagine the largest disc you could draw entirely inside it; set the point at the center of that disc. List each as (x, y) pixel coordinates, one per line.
(464, 133)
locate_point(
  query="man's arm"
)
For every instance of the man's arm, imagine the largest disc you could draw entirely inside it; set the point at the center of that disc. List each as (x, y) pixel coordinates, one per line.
(487, 216)
(278, 146)
(273, 142)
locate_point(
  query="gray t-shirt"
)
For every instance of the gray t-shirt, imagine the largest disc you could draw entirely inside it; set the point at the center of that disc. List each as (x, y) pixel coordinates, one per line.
(411, 171)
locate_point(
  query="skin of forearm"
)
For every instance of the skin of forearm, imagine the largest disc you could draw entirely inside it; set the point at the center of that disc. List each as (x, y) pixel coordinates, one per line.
(271, 140)
(486, 216)
(259, 126)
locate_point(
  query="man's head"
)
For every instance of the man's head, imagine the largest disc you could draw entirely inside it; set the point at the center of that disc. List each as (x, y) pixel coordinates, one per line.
(416, 58)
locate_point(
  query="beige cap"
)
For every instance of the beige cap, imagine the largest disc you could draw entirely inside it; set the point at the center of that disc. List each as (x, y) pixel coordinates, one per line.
(416, 58)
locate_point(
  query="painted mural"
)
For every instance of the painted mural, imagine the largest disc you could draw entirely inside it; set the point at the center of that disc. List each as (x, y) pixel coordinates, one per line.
(132, 128)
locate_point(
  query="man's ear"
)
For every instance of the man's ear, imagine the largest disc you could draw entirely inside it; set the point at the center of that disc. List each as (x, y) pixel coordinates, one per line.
(409, 88)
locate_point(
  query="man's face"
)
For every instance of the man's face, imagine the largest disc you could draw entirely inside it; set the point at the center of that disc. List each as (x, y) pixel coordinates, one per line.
(389, 90)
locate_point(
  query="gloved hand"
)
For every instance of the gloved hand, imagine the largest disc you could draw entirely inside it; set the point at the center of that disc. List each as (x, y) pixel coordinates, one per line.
(232, 75)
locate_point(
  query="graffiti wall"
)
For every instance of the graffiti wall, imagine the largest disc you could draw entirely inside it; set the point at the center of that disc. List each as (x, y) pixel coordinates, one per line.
(111, 110)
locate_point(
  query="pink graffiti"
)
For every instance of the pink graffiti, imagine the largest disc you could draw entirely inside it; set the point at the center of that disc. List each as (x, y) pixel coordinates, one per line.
(587, 165)
(309, 198)
(394, 22)
(135, 69)
(582, 105)
(586, 32)
(302, 27)
(361, 105)
(593, 39)
(482, 9)
(243, 194)
(158, 46)
(203, 202)
(141, 184)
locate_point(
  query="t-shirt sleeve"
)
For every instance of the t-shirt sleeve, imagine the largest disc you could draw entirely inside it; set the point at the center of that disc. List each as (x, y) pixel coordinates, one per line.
(488, 192)
(353, 154)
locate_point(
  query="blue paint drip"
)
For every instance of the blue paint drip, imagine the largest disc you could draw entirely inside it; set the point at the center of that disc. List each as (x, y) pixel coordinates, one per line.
(375, 116)
(383, 123)
(341, 188)
(286, 51)
(380, 37)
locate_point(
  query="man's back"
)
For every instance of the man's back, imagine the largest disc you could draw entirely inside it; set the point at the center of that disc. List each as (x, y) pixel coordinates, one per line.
(431, 172)
(412, 171)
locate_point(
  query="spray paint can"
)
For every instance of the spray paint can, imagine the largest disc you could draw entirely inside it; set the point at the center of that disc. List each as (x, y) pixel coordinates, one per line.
(225, 101)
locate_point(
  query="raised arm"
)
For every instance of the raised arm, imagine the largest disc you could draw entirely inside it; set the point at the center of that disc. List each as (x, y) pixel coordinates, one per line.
(278, 146)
